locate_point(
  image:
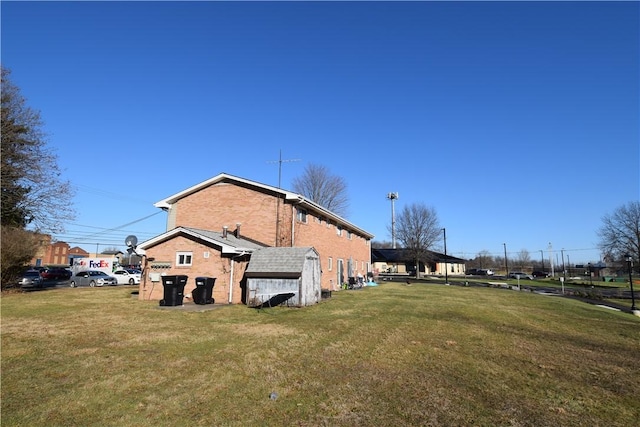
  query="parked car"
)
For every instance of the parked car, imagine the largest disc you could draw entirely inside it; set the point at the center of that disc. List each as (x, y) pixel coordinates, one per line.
(485, 272)
(471, 271)
(127, 276)
(92, 278)
(520, 274)
(30, 279)
(55, 273)
(540, 274)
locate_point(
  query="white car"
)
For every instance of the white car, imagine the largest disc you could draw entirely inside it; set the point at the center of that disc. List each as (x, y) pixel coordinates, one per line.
(127, 277)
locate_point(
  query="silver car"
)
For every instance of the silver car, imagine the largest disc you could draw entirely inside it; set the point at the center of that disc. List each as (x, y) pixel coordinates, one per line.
(92, 278)
(30, 279)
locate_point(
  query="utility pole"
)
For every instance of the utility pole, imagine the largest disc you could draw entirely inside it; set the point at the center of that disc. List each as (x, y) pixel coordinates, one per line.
(553, 274)
(393, 197)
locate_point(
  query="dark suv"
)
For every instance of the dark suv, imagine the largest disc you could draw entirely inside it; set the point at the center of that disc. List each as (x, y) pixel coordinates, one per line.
(55, 273)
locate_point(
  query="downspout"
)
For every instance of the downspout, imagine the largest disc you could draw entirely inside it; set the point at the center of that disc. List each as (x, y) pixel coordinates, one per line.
(231, 278)
(293, 225)
(231, 283)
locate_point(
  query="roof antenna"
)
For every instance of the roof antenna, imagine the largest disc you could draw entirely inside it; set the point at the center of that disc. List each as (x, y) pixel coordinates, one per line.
(280, 161)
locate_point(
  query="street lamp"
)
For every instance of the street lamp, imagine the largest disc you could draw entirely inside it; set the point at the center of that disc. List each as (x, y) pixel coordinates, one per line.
(446, 273)
(629, 259)
(590, 275)
(393, 197)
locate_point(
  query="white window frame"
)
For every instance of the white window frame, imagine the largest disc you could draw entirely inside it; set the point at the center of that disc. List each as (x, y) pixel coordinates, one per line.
(187, 260)
(301, 215)
(330, 263)
(339, 230)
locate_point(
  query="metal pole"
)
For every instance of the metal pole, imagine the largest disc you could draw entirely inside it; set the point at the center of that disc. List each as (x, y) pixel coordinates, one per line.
(564, 271)
(446, 272)
(506, 265)
(633, 300)
(393, 197)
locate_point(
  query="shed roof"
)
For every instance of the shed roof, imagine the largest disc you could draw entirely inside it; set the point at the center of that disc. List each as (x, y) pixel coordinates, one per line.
(279, 260)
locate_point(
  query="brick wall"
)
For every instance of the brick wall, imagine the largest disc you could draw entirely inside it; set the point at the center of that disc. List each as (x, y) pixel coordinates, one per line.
(203, 265)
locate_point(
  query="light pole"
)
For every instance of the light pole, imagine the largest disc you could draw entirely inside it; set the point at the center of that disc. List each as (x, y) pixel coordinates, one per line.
(633, 300)
(393, 197)
(506, 265)
(564, 271)
(446, 272)
(590, 279)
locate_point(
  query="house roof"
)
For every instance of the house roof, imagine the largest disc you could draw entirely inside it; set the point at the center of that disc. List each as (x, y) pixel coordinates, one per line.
(228, 245)
(404, 255)
(287, 195)
(279, 260)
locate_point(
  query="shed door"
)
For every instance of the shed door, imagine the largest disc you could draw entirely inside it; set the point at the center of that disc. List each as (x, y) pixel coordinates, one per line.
(340, 272)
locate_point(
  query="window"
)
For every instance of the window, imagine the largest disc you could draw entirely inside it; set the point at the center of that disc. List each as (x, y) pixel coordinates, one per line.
(330, 263)
(349, 235)
(302, 215)
(339, 230)
(183, 259)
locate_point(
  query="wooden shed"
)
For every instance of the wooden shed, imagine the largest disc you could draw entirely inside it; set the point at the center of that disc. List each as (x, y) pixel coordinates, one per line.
(283, 276)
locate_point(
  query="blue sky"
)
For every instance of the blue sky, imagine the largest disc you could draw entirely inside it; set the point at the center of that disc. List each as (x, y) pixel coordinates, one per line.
(517, 121)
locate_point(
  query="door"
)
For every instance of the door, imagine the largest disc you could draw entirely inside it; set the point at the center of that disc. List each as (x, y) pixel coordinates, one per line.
(340, 273)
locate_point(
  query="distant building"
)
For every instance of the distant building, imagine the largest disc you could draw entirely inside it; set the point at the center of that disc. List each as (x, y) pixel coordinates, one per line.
(401, 261)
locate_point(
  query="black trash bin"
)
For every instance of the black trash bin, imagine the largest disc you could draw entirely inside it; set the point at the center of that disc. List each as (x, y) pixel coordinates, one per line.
(173, 290)
(203, 293)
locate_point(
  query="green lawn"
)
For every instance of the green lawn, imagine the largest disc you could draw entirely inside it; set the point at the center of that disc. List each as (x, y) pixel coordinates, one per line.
(393, 355)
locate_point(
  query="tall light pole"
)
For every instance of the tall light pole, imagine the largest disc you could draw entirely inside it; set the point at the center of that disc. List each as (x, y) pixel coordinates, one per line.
(564, 270)
(634, 310)
(446, 268)
(506, 265)
(393, 197)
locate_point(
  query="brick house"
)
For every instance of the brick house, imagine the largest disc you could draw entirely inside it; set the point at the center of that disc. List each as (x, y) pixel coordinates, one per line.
(214, 226)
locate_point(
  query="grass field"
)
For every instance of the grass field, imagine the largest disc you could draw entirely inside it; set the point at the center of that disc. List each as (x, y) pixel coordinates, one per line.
(393, 355)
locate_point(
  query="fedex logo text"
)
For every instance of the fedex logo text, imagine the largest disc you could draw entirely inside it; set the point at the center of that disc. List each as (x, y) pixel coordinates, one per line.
(98, 264)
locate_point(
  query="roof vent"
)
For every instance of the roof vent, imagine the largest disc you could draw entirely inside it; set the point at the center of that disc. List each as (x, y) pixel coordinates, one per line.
(224, 231)
(238, 229)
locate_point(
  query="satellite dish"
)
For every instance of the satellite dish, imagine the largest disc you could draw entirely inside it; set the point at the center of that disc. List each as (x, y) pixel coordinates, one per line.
(131, 241)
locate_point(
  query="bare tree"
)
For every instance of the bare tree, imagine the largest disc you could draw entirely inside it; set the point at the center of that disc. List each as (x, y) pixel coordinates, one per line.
(418, 230)
(620, 232)
(320, 186)
(482, 260)
(523, 259)
(32, 192)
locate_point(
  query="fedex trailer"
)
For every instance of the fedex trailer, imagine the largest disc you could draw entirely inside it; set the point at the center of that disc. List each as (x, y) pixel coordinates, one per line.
(108, 265)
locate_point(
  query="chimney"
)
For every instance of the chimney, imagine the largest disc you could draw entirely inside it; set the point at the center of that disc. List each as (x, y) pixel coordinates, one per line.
(238, 229)
(224, 231)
